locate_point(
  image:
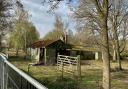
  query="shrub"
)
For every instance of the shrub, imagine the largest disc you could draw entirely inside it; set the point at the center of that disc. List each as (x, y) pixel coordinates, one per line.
(124, 55)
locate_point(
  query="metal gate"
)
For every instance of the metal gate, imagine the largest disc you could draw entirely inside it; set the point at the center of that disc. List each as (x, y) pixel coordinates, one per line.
(69, 64)
(13, 78)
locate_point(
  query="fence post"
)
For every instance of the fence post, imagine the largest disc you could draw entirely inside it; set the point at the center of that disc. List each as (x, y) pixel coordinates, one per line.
(45, 56)
(6, 76)
(3, 76)
(62, 69)
(78, 67)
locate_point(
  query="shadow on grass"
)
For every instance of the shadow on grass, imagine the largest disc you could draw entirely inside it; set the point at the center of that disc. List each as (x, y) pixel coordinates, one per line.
(18, 59)
(56, 82)
(59, 83)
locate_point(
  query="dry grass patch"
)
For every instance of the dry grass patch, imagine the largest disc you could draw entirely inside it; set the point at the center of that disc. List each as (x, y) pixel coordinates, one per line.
(91, 75)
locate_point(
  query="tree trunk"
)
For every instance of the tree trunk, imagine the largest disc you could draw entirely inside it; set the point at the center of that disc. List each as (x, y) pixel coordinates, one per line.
(116, 45)
(26, 54)
(118, 55)
(0, 43)
(17, 51)
(114, 53)
(116, 40)
(106, 61)
(105, 51)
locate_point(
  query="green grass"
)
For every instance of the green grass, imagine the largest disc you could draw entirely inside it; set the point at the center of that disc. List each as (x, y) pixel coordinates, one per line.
(91, 75)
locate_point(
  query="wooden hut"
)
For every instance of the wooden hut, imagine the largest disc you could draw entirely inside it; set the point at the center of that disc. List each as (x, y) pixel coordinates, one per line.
(45, 51)
(85, 52)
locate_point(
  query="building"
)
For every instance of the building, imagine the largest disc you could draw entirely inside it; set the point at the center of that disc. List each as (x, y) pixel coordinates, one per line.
(46, 51)
(85, 52)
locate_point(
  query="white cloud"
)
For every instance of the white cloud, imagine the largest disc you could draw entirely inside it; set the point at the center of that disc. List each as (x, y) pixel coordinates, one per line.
(40, 18)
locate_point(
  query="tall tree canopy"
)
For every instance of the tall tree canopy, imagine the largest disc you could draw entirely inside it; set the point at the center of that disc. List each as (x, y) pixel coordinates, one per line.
(58, 30)
(5, 18)
(24, 32)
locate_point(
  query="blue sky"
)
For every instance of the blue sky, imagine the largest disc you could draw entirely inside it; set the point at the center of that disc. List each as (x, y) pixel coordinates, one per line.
(41, 19)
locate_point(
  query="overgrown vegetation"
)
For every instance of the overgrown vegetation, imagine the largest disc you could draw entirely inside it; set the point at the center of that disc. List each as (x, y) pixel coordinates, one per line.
(99, 22)
(91, 75)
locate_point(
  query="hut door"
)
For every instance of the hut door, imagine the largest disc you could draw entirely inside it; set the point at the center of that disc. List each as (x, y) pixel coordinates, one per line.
(41, 55)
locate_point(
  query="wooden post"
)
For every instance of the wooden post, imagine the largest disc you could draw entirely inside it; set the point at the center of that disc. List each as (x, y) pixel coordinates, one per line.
(38, 54)
(28, 67)
(78, 67)
(62, 69)
(96, 55)
(57, 57)
(45, 55)
(30, 53)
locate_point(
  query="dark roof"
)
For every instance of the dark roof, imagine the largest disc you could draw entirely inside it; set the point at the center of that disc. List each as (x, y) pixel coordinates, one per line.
(84, 48)
(45, 43)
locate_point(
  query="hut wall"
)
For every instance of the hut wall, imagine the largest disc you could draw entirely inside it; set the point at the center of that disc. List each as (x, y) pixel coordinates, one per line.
(35, 54)
(29, 53)
(51, 55)
(85, 55)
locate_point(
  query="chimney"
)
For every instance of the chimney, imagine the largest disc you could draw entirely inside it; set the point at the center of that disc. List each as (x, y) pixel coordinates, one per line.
(66, 38)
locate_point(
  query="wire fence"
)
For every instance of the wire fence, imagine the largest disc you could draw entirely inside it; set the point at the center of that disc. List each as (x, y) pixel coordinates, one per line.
(13, 78)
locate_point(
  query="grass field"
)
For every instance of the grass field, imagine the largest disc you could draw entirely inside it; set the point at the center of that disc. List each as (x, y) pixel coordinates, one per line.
(91, 75)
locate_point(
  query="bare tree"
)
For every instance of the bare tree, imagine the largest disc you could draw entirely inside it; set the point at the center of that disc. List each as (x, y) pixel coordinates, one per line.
(86, 33)
(59, 30)
(96, 12)
(123, 34)
(117, 14)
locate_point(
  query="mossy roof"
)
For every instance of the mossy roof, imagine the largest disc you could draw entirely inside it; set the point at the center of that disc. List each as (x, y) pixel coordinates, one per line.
(49, 43)
(84, 48)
